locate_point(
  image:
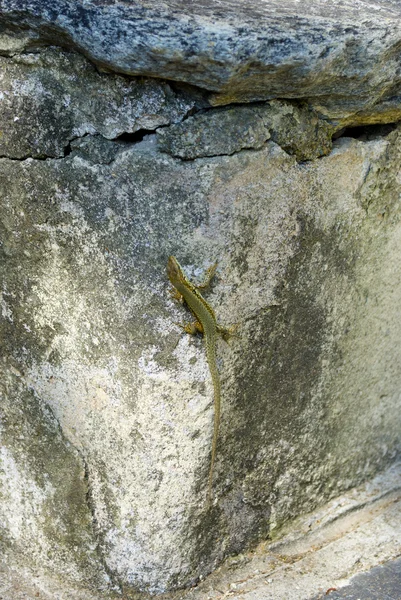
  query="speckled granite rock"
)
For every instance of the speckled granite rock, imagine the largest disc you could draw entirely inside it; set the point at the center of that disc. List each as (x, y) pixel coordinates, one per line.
(45, 514)
(112, 394)
(88, 324)
(43, 105)
(298, 130)
(342, 56)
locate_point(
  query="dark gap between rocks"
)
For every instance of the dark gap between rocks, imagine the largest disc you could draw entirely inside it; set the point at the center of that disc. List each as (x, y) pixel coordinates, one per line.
(101, 148)
(67, 150)
(366, 133)
(133, 138)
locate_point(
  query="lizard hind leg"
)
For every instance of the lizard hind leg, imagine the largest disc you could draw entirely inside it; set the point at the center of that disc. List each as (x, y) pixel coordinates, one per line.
(192, 328)
(228, 332)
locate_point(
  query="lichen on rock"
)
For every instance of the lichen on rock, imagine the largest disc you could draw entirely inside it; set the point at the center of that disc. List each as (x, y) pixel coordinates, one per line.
(106, 406)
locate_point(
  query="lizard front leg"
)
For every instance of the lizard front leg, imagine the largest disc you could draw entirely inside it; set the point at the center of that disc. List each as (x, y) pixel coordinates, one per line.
(207, 278)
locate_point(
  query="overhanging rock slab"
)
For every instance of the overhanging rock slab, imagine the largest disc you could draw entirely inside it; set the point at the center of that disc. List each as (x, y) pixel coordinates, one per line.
(341, 56)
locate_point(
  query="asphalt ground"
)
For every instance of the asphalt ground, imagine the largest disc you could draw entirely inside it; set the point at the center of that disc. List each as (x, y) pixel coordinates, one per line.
(380, 583)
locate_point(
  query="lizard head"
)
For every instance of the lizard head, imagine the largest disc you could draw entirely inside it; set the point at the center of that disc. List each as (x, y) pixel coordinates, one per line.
(174, 271)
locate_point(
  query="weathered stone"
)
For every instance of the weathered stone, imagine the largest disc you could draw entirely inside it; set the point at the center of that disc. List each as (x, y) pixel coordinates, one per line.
(320, 549)
(298, 130)
(107, 407)
(50, 98)
(97, 149)
(15, 42)
(46, 519)
(304, 270)
(342, 56)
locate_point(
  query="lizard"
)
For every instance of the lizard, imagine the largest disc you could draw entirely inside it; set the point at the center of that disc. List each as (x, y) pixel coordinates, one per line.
(185, 290)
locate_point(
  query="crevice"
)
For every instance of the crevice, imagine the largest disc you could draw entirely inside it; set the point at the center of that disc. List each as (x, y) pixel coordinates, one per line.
(186, 159)
(67, 149)
(133, 138)
(361, 133)
(366, 133)
(116, 585)
(29, 156)
(43, 157)
(193, 111)
(40, 157)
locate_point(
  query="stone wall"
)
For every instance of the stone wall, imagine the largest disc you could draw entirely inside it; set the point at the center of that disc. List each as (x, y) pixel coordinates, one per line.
(223, 137)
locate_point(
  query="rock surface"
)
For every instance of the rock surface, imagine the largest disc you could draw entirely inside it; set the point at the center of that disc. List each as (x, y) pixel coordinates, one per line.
(330, 548)
(298, 130)
(342, 56)
(45, 516)
(43, 107)
(107, 407)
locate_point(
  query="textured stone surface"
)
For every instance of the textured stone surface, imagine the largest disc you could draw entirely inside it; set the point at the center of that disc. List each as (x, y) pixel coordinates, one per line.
(304, 269)
(45, 517)
(117, 401)
(321, 550)
(342, 55)
(43, 105)
(215, 132)
(380, 583)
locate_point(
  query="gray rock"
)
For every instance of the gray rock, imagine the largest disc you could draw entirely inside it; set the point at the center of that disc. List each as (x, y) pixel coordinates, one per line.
(107, 408)
(383, 581)
(13, 42)
(342, 56)
(298, 130)
(46, 516)
(304, 270)
(97, 149)
(43, 106)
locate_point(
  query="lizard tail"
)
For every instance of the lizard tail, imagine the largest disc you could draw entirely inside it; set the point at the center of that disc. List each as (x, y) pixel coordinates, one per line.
(211, 357)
